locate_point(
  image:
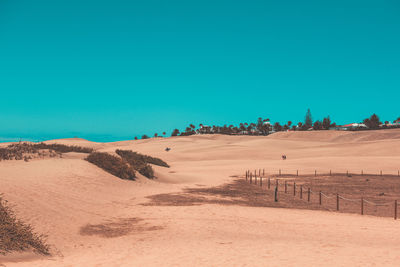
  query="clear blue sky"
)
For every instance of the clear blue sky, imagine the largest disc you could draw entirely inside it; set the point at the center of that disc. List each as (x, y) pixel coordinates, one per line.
(116, 69)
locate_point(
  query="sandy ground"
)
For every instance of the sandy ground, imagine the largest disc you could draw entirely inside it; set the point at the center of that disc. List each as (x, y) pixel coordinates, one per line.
(95, 219)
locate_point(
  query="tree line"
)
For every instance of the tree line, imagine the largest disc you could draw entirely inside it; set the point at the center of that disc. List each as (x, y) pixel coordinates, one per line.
(264, 127)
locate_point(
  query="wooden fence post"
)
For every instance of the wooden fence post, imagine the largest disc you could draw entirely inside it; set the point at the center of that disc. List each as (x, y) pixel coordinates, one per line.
(259, 172)
(362, 173)
(294, 188)
(261, 181)
(362, 206)
(395, 209)
(264, 172)
(320, 198)
(276, 194)
(251, 178)
(279, 172)
(255, 178)
(246, 175)
(308, 197)
(285, 187)
(398, 173)
(337, 202)
(381, 173)
(330, 172)
(277, 183)
(347, 173)
(269, 183)
(301, 191)
(315, 173)
(297, 173)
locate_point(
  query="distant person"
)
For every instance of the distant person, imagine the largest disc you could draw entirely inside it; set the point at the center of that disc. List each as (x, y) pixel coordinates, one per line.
(283, 157)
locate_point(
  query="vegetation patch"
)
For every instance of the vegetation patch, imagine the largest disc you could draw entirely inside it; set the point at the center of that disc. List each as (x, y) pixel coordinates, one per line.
(63, 148)
(17, 236)
(142, 158)
(141, 162)
(137, 162)
(25, 151)
(112, 164)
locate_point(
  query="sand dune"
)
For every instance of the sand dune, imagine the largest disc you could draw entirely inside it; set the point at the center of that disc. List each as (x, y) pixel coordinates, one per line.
(95, 219)
(339, 136)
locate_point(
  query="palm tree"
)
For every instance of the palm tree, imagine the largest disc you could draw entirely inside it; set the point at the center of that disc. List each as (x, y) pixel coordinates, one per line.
(277, 127)
(300, 126)
(175, 132)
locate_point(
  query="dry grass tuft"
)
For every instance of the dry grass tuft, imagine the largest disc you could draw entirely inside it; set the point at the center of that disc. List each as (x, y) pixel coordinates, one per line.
(137, 162)
(63, 148)
(25, 151)
(17, 236)
(142, 158)
(124, 166)
(112, 164)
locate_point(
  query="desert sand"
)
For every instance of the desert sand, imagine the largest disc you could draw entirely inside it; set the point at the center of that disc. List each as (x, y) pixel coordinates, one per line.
(92, 218)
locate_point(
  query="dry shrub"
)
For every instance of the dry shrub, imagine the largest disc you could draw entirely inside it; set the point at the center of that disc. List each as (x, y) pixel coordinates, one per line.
(143, 158)
(146, 170)
(20, 150)
(16, 151)
(63, 148)
(138, 162)
(112, 164)
(17, 236)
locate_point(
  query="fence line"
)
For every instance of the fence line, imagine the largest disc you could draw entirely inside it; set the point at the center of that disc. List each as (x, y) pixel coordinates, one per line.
(280, 172)
(249, 176)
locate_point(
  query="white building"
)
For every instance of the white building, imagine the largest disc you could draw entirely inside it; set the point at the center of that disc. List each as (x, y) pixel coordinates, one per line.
(351, 126)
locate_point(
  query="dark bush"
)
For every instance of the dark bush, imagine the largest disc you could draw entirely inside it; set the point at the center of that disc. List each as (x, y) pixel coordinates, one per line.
(17, 236)
(16, 151)
(63, 148)
(112, 164)
(137, 161)
(145, 170)
(140, 157)
(19, 151)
